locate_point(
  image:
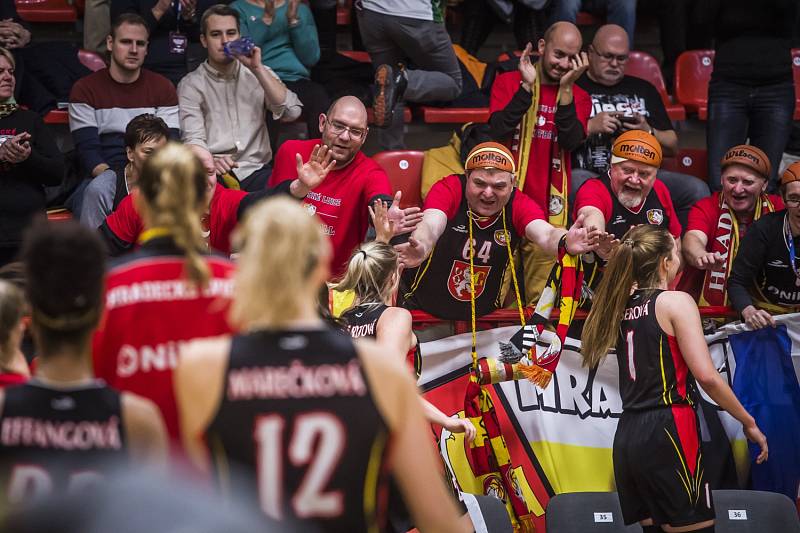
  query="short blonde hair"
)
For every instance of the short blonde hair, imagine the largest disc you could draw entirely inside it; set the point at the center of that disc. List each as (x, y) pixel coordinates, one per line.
(281, 245)
(9, 56)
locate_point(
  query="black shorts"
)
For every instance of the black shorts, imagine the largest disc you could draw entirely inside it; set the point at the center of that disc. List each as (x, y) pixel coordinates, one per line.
(658, 467)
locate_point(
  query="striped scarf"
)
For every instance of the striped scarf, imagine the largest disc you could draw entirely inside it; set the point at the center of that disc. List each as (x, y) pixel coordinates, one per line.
(563, 288)
(557, 180)
(725, 241)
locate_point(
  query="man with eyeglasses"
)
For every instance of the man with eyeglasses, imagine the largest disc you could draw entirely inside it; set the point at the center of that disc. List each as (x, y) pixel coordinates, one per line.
(623, 103)
(356, 181)
(224, 104)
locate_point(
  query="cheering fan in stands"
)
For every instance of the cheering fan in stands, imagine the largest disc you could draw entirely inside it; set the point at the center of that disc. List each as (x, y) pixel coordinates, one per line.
(315, 417)
(765, 279)
(64, 429)
(661, 351)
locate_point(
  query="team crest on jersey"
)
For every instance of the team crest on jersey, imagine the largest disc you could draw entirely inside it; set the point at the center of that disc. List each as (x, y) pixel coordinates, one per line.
(311, 208)
(458, 281)
(655, 216)
(556, 205)
(500, 237)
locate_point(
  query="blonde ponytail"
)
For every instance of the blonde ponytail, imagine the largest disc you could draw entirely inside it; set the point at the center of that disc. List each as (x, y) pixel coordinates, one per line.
(634, 262)
(280, 246)
(173, 183)
(369, 273)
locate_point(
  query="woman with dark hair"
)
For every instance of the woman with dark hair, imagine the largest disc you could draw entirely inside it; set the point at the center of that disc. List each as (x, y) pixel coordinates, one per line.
(29, 161)
(661, 351)
(64, 429)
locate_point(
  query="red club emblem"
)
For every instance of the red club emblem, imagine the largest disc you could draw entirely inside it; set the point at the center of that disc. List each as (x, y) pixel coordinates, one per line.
(458, 281)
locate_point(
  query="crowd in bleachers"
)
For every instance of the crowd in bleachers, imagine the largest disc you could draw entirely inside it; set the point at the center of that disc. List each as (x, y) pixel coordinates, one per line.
(559, 148)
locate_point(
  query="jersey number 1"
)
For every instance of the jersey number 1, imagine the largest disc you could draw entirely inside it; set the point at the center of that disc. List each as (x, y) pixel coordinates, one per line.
(631, 364)
(317, 440)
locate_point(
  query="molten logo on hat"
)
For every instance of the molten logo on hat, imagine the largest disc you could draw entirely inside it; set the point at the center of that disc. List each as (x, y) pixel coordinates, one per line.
(490, 155)
(638, 145)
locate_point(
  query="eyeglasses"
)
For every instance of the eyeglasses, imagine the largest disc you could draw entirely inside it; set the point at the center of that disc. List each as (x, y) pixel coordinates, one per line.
(791, 202)
(622, 58)
(337, 128)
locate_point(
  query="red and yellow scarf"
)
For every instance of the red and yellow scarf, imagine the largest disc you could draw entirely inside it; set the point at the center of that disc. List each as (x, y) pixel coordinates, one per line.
(558, 182)
(725, 241)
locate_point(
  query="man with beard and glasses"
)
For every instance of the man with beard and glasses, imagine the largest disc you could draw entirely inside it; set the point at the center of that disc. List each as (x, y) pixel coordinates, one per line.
(541, 114)
(628, 195)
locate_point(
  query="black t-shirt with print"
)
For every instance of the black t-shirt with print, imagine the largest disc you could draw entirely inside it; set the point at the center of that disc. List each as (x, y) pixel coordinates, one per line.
(629, 96)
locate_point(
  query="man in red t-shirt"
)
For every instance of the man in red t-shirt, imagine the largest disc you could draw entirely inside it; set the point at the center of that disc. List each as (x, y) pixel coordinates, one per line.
(122, 228)
(544, 115)
(485, 205)
(717, 223)
(356, 181)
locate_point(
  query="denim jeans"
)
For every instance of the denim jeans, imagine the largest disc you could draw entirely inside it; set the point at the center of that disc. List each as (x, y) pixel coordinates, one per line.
(621, 12)
(737, 113)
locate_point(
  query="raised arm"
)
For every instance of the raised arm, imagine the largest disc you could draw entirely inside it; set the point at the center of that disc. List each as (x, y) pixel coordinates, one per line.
(578, 240)
(422, 240)
(694, 250)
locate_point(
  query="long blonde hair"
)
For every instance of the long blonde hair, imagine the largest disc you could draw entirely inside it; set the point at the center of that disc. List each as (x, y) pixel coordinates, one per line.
(280, 246)
(369, 273)
(635, 261)
(173, 183)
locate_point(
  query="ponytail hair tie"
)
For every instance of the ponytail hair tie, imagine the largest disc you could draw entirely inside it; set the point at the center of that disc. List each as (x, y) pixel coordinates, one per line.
(629, 242)
(363, 252)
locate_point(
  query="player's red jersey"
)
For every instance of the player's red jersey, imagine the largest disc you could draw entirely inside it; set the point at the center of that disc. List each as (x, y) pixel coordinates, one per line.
(150, 309)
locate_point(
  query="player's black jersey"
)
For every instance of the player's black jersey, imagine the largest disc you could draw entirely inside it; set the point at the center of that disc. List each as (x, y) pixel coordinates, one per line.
(298, 419)
(652, 371)
(56, 440)
(362, 320)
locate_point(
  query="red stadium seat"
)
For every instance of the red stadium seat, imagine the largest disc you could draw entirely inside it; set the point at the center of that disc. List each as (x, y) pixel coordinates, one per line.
(796, 73)
(692, 75)
(343, 11)
(91, 60)
(404, 168)
(46, 10)
(57, 116)
(585, 18)
(453, 115)
(356, 55)
(692, 161)
(643, 65)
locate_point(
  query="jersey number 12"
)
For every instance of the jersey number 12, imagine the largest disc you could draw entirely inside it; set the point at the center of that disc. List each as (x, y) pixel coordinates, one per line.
(317, 440)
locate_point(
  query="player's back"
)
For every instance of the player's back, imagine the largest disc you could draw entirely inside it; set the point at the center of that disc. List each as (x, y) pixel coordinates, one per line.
(298, 418)
(652, 371)
(58, 439)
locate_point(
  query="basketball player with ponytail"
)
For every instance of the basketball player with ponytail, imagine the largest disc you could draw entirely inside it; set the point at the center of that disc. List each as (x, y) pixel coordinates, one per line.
(314, 418)
(63, 429)
(373, 275)
(661, 351)
(168, 291)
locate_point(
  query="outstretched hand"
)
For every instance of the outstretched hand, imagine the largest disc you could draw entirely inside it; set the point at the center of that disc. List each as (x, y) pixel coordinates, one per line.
(384, 227)
(313, 172)
(405, 220)
(581, 240)
(411, 253)
(709, 261)
(606, 244)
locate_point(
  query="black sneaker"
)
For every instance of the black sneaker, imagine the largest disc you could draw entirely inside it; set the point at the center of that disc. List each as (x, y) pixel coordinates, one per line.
(390, 84)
